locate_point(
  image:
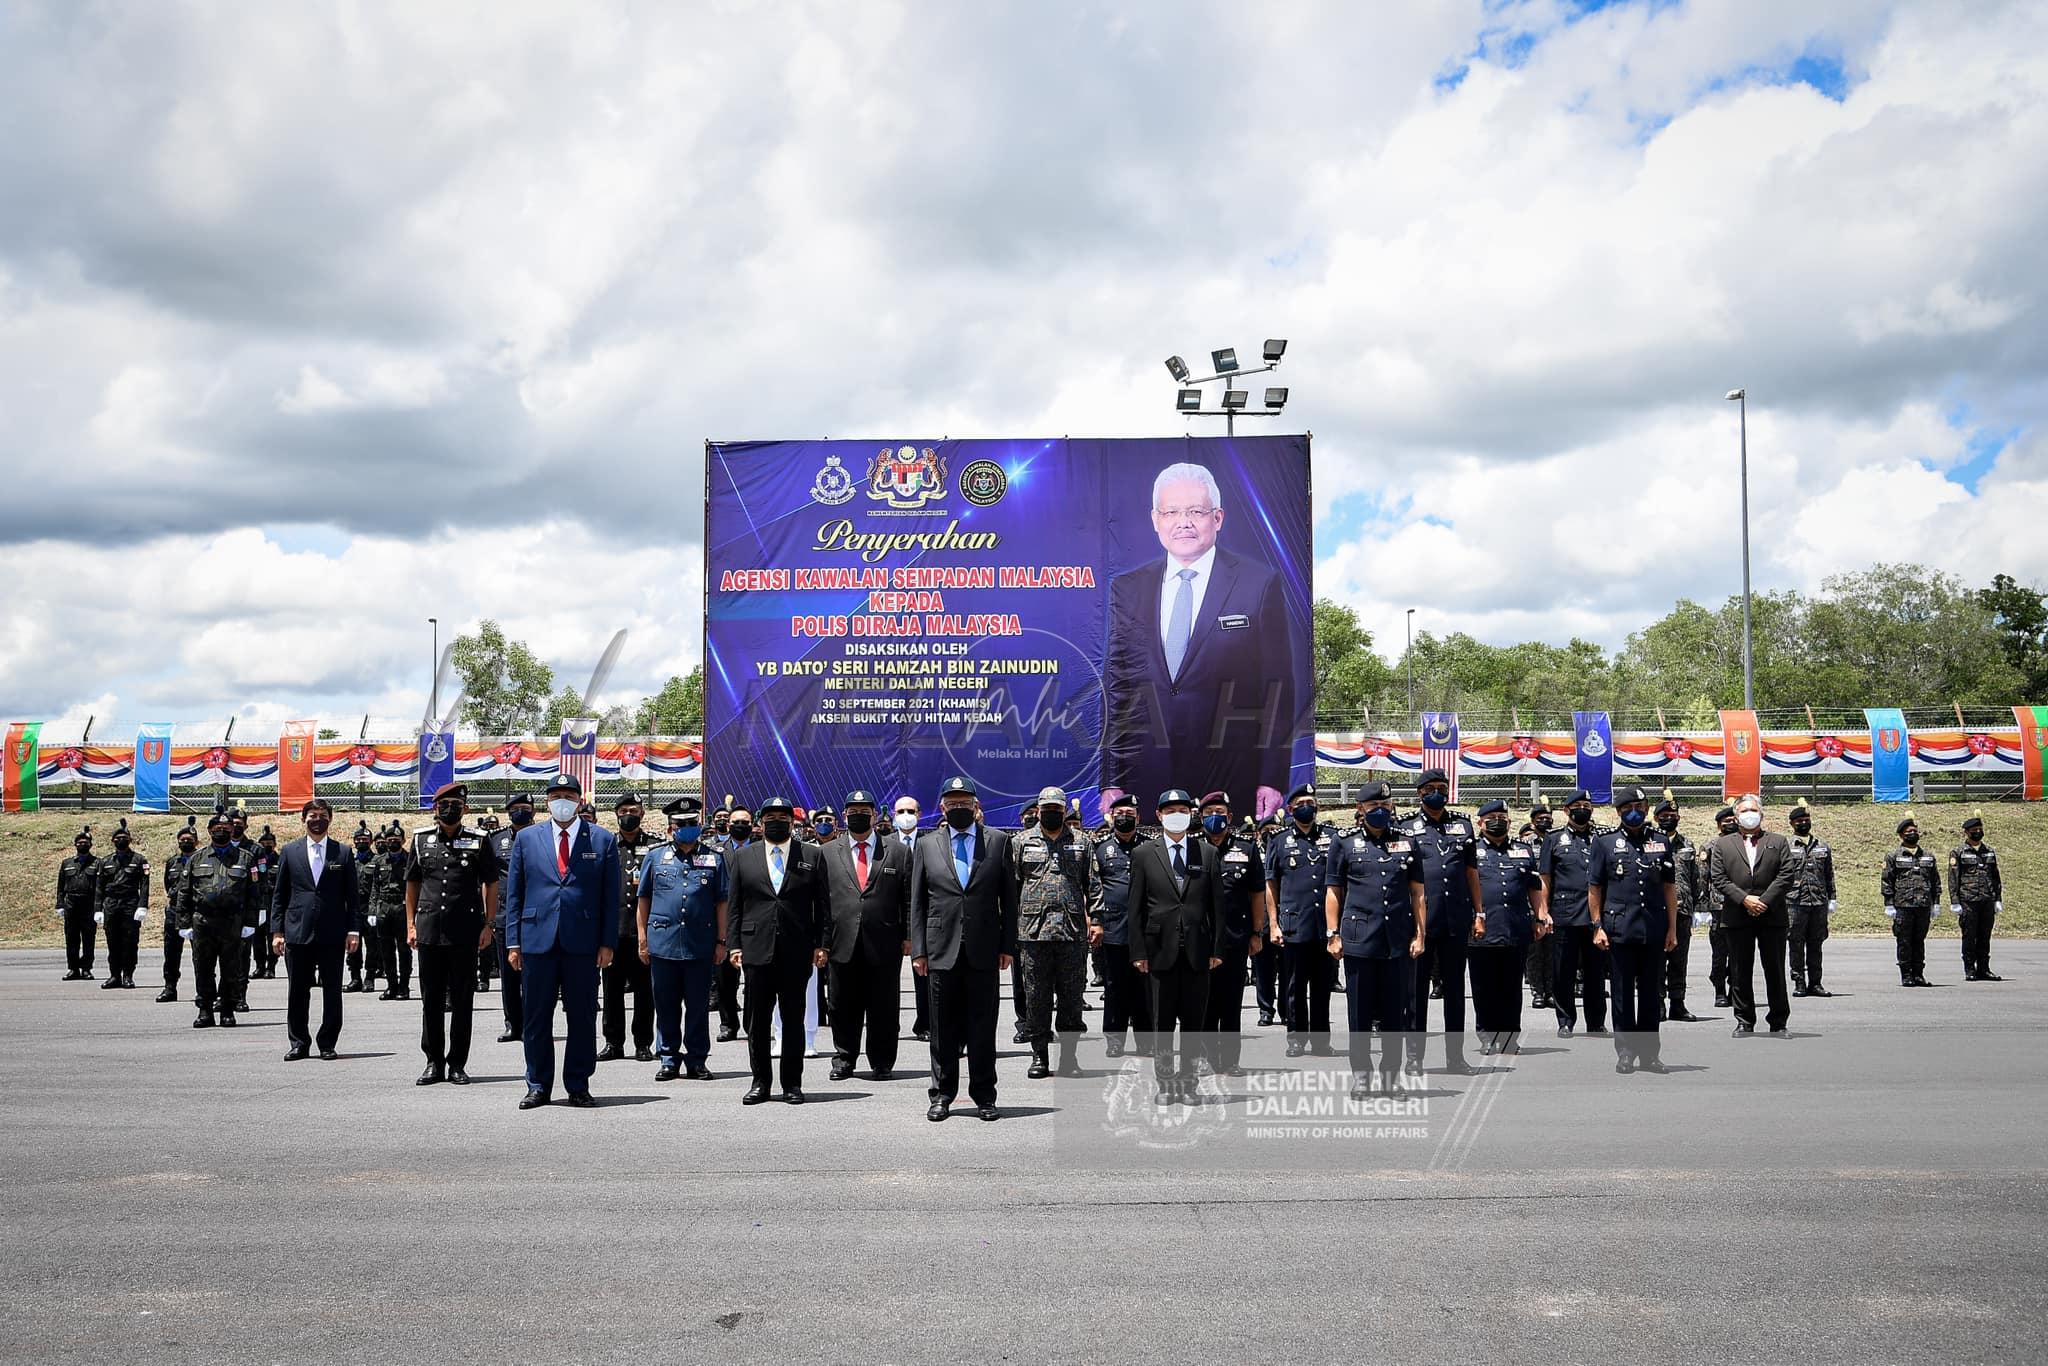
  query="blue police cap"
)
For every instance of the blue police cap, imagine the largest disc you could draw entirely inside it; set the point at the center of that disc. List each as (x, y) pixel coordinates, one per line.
(776, 804)
(1173, 796)
(1579, 796)
(953, 785)
(1305, 790)
(566, 782)
(517, 799)
(1431, 775)
(1126, 799)
(860, 796)
(1488, 808)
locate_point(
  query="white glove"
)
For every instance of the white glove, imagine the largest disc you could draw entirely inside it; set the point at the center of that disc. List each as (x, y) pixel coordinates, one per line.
(185, 934)
(99, 917)
(142, 915)
(248, 930)
(1998, 907)
(1702, 919)
(1832, 903)
(1891, 913)
(263, 918)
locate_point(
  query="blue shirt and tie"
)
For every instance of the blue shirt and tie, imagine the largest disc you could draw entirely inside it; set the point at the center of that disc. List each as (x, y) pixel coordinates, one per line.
(963, 856)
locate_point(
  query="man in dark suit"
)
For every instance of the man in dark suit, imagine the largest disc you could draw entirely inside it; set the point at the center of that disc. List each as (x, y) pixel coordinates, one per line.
(1199, 679)
(775, 923)
(867, 876)
(1751, 873)
(315, 922)
(1177, 937)
(561, 928)
(963, 935)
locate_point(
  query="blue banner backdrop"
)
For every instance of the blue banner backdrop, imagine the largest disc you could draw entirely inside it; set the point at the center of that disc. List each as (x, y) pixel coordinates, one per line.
(1890, 748)
(887, 615)
(1594, 738)
(153, 766)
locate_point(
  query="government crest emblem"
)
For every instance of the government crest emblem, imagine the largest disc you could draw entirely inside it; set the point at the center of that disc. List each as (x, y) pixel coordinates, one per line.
(906, 477)
(833, 485)
(296, 749)
(152, 751)
(1888, 740)
(437, 748)
(1594, 745)
(1742, 742)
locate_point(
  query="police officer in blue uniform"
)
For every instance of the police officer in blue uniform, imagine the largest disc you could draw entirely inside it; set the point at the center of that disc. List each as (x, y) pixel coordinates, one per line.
(1443, 841)
(1373, 916)
(1633, 899)
(1126, 1005)
(681, 911)
(1577, 961)
(1509, 916)
(1296, 871)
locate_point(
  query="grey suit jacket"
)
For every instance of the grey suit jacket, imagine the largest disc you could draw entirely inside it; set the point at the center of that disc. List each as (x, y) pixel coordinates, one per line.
(957, 926)
(1732, 878)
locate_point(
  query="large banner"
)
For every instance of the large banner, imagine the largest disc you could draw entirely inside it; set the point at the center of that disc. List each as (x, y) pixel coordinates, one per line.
(1097, 616)
(153, 766)
(2033, 750)
(295, 764)
(437, 764)
(21, 767)
(1593, 745)
(1891, 753)
(1742, 754)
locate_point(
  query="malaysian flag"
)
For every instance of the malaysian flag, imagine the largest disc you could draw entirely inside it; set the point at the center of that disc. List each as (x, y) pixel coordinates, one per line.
(579, 752)
(1440, 745)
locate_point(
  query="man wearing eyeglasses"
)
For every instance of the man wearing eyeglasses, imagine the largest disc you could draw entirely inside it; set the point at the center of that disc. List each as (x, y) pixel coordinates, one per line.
(1199, 683)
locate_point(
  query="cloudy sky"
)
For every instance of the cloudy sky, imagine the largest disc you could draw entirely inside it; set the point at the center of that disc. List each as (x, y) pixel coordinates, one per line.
(317, 320)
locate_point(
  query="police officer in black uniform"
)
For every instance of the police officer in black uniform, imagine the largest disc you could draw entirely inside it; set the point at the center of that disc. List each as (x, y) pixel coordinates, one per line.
(518, 815)
(1695, 897)
(451, 894)
(1508, 917)
(1717, 938)
(120, 903)
(76, 877)
(739, 833)
(1297, 872)
(1443, 840)
(174, 883)
(1911, 885)
(628, 975)
(1578, 962)
(1241, 902)
(216, 912)
(1373, 918)
(1126, 1005)
(1538, 965)
(1632, 895)
(1976, 893)
(382, 889)
(262, 962)
(366, 849)
(1812, 899)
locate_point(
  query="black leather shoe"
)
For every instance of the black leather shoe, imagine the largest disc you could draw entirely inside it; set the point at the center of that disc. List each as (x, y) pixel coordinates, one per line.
(128, 979)
(1989, 976)
(243, 1005)
(1720, 1000)
(939, 1110)
(840, 1071)
(883, 1073)
(1039, 1068)
(533, 1100)
(611, 1052)
(583, 1100)
(388, 994)
(793, 1095)
(509, 1036)
(1624, 1064)
(1113, 1048)
(1743, 1030)
(1020, 1035)
(987, 1112)
(404, 992)
(1296, 1047)
(227, 1019)
(167, 994)
(755, 1095)
(111, 984)
(667, 1072)
(1599, 1032)
(1564, 1031)
(457, 1077)
(354, 984)
(1653, 1065)
(328, 1055)
(1781, 1033)
(1801, 990)
(204, 1021)
(1819, 991)
(433, 1076)
(1265, 1019)
(698, 1074)
(921, 1035)
(726, 1033)
(643, 1055)
(295, 1052)
(1684, 1016)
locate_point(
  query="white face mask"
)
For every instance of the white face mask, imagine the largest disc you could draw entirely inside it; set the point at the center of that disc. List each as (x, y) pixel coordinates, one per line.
(1175, 822)
(1749, 820)
(905, 822)
(563, 809)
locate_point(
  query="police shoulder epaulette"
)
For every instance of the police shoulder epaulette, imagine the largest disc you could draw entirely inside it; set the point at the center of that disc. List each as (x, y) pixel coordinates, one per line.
(424, 830)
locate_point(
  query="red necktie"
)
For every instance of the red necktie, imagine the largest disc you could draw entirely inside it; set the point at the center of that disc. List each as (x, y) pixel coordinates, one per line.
(562, 854)
(860, 866)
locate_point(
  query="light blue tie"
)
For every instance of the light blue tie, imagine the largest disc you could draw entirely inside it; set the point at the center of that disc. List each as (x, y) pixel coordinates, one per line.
(1180, 622)
(962, 858)
(775, 867)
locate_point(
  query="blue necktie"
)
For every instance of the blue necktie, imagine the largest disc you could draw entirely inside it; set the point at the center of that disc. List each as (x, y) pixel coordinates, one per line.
(963, 861)
(775, 867)
(1180, 623)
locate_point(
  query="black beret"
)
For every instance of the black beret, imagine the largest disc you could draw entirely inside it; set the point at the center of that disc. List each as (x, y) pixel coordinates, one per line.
(1727, 810)
(1668, 804)
(1375, 792)
(1904, 824)
(1974, 823)
(219, 817)
(1488, 808)
(1540, 805)
(1431, 775)
(1305, 790)
(626, 799)
(1580, 795)
(517, 799)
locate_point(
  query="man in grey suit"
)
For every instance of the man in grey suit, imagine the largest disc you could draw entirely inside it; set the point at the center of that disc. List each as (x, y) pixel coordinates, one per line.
(314, 922)
(1751, 874)
(963, 935)
(867, 882)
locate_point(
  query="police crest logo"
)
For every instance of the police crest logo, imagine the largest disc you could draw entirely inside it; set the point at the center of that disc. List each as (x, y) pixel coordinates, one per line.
(437, 749)
(906, 477)
(1594, 745)
(20, 753)
(983, 483)
(833, 485)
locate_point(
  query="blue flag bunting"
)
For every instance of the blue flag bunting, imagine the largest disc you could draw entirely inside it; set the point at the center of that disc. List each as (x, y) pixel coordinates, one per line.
(437, 764)
(1890, 755)
(153, 766)
(1595, 743)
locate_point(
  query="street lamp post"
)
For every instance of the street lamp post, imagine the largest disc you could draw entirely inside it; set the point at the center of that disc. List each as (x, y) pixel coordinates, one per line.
(1741, 400)
(434, 684)
(1411, 661)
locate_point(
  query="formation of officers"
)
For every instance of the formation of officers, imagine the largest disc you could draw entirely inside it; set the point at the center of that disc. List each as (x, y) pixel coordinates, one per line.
(774, 922)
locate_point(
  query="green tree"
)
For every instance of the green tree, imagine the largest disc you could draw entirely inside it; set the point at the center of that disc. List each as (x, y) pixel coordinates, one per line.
(565, 704)
(2020, 615)
(504, 687)
(1348, 674)
(678, 709)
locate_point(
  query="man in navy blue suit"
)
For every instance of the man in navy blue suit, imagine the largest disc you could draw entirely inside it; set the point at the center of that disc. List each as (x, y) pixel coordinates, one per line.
(314, 923)
(561, 925)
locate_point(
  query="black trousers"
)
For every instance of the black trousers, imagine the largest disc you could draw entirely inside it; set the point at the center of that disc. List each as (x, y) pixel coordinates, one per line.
(367, 945)
(1180, 999)
(1974, 918)
(1717, 970)
(628, 976)
(921, 992)
(777, 986)
(123, 939)
(1910, 929)
(1266, 978)
(727, 988)
(1443, 960)
(1376, 999)
(867, 999)
(963, 1012)
(1638, 976)
(217, 966)
(174, 952)
(1576, 964)
(447, 982)
(508, 988)
(1223, 1019)
(1538, 969)
(1308, 975)
(392, 954)
(1746, 943)
(1126, 1002)
(1017, 989)
(1809, 931)
(81, 937)
(300, 961)
(1675, 965)
(1496, 989)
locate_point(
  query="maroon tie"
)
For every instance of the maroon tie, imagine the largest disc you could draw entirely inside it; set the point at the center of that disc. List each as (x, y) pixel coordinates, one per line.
(562, 854)
(860, 865)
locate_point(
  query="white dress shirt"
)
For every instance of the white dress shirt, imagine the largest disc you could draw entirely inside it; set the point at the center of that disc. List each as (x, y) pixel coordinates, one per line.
(1169, 588)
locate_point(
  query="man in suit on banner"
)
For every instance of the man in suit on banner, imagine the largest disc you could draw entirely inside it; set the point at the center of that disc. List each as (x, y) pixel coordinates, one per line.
(1199, 679)
(561, 928)
(963, 935)
(1751, 873)
(315, 922)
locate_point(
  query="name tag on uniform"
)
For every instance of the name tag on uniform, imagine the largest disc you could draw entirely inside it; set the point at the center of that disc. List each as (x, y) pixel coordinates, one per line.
(1236, 621)
(590, 855)
(1237, 856)
(707, 860)
(1654, 847)
(1399, 847)
(1034, 853)
(466, 844)
(1518, 853)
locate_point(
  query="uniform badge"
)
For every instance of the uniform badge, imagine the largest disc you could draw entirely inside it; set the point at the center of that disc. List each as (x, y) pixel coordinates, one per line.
(833, 485)
(707, 860)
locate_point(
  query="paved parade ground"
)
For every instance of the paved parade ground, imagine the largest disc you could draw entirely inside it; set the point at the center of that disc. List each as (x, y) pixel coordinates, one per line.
(1871, 1189)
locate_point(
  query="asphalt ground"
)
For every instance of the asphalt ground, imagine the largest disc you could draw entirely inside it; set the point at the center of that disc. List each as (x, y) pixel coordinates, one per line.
(1869, 1190)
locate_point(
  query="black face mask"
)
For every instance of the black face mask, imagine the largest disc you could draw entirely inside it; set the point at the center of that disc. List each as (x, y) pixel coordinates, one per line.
(1667, 823)
(1436, 801)
(1497, 827)
(219, 837)
(1911, 837)
(960, 817)
(775, 831)
(448, 813)
(629, 820)
(1124, 824)
(520, 816)
(859, 823)
(187, 846)
(1542, 823)
(742, 830)
(1052, 818)
(1801, 827)
(1580, 815)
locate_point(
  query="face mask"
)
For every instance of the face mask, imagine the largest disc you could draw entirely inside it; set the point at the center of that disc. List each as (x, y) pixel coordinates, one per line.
(1633, 819)
(1580, 815)
(316, 826)
(960, 817)
(1436, 801)
(860, 823)
(1497, 826)
(1124, 824)
(1175, 822)
(187, 846)
(1378, 818)
(742, 830)
(1051, 817)
(1542, 823)
(1667, 823)
(629, 821)
(1306, 813)
(119, 845)
(776, 831)
(1215, 823)
(906, 821)
(1801, 827)
(562, 809)
(1749, 820)
(219, 837)
(721, 823)
(1911, 837)
(448, 813)
(822, 827)
(686, 834)
(521, 815)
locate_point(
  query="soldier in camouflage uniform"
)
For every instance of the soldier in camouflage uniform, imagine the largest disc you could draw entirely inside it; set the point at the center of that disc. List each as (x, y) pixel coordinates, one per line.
(76, 877)
(216, 911)
(1695, 897)
(174, 888)
(1059, 913)
(628, 976)
(1812, 898)
(1911, 884)
(120, 902)
(380, 884)
(1976, 893)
